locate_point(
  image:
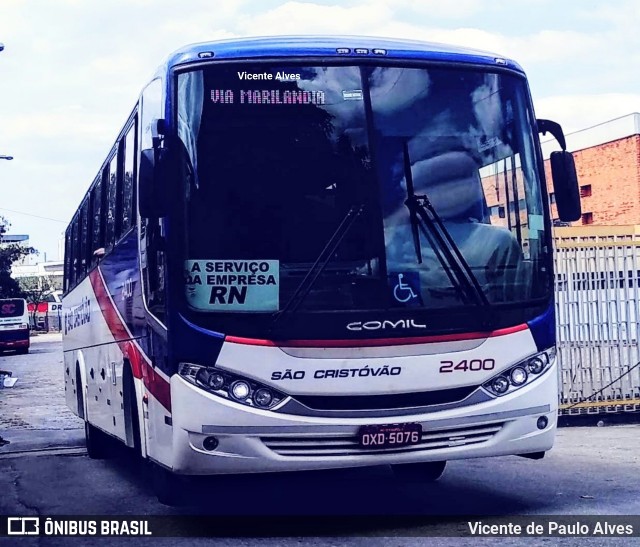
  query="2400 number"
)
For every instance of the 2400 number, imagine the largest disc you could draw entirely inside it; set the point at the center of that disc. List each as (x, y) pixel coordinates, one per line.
(473, 365)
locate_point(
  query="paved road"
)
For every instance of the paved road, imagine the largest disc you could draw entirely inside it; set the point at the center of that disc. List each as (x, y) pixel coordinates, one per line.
(33, 413)
(592, 470)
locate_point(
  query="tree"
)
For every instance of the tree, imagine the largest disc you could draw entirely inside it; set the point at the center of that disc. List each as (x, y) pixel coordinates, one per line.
(35, 289)
(9, 254)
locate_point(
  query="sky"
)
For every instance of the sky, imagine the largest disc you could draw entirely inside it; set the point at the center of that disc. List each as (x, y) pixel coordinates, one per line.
(72, 70)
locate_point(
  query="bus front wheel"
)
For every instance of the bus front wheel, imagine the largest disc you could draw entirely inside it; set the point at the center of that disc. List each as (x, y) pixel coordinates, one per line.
(424, 471)
(167, 486)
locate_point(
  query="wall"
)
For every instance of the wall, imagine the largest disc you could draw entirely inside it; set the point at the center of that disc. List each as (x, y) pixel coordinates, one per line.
(612, 170)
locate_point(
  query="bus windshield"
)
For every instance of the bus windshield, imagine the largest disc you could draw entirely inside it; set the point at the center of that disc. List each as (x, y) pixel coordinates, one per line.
(407, 188)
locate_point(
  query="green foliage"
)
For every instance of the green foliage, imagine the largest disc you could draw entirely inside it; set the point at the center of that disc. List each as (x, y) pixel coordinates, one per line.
(9, 254)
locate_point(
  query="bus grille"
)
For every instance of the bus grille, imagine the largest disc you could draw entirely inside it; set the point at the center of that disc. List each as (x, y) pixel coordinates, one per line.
(386, 402)
(347, 445)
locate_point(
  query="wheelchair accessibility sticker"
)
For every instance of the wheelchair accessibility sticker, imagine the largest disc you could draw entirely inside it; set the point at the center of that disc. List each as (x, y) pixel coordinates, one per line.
(406, 287)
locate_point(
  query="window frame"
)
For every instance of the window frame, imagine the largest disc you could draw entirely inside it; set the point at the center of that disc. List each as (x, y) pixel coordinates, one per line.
(131, 130)
(74, 272)
(117, 228)
(67, 258)
(83, 233)
(75, 250)
(586, 218)
(110, 236)
(97, 237)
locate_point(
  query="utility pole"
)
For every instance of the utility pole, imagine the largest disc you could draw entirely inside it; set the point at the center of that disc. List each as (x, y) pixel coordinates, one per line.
(1, 156)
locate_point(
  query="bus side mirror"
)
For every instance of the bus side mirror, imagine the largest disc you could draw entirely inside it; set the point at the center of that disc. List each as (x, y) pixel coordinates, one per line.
(563, 172)
(151, 187)
(99, 253)
(565, 186)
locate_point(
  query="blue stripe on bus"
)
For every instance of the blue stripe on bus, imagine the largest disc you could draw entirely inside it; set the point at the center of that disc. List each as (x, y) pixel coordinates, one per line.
(319, 46)
(543, 328)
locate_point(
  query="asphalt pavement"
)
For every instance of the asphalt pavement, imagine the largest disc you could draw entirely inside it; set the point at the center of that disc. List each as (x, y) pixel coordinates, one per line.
(33, 413)
(44, 470)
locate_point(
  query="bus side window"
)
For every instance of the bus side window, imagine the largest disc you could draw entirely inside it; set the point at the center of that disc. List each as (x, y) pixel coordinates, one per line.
(112, 201)
(84, 238)
(119, 176)
(151, 234)
(75, 250)
(128, 204)
(97, 240)
(67, 259)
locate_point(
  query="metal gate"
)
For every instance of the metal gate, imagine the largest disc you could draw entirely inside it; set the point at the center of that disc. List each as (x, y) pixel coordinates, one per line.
(598, 322)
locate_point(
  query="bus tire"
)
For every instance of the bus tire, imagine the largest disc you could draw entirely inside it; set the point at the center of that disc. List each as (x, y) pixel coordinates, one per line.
(132, 418)
(79, 394)
(166, 485)
(98, 442)
(419, 472)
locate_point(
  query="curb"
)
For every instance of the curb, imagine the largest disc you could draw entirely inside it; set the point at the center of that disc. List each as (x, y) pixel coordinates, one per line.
(28, 440)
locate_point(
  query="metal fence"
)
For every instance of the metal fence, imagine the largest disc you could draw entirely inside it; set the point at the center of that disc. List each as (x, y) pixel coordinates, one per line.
(598, 322)
(46, 321)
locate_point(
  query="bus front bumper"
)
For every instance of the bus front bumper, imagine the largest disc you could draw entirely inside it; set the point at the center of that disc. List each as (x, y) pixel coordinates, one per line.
(253, 441)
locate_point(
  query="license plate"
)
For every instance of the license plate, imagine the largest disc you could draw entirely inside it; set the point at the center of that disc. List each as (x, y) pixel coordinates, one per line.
(389, 436)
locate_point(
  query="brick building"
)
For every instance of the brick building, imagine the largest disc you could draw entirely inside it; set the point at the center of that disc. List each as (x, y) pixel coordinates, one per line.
(607, 160)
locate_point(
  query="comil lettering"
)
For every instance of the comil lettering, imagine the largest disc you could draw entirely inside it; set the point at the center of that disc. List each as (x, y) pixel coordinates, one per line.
(386, 324)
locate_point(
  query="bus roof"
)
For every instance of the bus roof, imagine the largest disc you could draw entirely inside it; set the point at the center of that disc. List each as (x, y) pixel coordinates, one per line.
(333, 46)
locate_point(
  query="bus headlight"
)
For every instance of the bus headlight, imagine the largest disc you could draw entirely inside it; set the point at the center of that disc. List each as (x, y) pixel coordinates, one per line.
(518, 376)
(521, 374)
(536, 365)
(263, 397)
(500, 385)
(216, 381)
(240, 390)
(231, 386)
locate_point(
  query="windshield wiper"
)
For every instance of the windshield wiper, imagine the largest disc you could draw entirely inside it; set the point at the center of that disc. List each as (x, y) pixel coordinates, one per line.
(444, 247)
(319, 265)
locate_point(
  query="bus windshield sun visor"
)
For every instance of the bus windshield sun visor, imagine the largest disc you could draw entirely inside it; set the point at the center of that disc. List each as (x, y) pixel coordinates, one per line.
(453, 263)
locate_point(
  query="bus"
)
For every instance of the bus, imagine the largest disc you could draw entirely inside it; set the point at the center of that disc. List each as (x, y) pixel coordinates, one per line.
(14, 325)
(306, 253)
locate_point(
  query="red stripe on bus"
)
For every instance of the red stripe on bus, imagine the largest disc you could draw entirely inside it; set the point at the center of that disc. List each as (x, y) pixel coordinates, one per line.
(156, 384)
(133, 355)
(375, 341)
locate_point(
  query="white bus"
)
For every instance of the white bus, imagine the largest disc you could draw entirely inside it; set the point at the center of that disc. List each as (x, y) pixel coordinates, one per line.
(308, 253)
